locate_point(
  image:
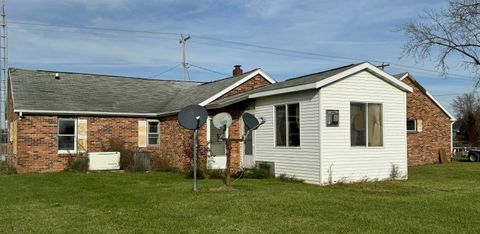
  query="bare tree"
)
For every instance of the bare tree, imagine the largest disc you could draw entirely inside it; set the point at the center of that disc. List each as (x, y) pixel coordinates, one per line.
(447, 33)
(467, 109)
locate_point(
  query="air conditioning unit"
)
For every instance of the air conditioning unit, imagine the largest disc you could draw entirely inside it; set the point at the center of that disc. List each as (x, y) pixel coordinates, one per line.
(98, 161)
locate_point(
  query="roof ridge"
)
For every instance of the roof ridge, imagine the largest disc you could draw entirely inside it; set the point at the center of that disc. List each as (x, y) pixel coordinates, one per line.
(103, 75)
(329, 70)
(230, 77)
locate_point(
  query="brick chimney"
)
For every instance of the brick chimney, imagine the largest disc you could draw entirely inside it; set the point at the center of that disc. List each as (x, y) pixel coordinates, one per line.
(237, 70)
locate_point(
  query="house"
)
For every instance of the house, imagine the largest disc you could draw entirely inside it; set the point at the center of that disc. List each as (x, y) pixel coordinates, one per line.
(341, 125)
(54, 116)
(429, 124)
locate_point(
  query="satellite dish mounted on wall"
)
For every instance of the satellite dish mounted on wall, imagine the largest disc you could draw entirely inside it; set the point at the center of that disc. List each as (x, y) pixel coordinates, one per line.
(251, 122)
(222, 120)
(192, 117)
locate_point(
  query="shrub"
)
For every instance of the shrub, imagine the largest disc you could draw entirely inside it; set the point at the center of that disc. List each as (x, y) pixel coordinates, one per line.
(6, 168)
(216, 174)
(127, 162)
(161, 163)
(261, 171)
(77, 164)
(202, 152)
(394, 172)
(285, 177)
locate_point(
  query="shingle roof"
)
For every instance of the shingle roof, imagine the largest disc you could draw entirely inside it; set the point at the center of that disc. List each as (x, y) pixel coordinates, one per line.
(399, 76)
(39, 90)
(307, 79)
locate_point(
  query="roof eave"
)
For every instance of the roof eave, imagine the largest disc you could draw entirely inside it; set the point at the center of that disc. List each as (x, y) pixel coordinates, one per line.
(94, 113)
(258, 71)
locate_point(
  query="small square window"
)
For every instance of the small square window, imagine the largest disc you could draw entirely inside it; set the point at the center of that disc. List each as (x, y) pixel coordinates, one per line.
(333, 118)
(411, 125)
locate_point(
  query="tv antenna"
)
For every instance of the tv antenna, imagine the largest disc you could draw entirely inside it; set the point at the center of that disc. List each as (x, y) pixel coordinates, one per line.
(3, 67)
(193, 117)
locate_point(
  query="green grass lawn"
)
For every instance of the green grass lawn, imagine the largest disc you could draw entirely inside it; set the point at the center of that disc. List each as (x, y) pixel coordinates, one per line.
(436, 198)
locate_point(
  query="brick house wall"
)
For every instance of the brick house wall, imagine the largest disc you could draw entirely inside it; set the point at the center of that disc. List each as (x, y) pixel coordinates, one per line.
(424, 146)
(36, 137)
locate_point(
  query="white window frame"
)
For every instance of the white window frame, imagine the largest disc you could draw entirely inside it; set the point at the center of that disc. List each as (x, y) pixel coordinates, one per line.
(148, 132)
(74, 136)
(414, 126)
(366, 125)
(287, 128)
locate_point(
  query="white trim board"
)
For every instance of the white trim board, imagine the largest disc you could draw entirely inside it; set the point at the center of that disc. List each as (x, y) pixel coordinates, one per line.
(345, 74)
(257, 71)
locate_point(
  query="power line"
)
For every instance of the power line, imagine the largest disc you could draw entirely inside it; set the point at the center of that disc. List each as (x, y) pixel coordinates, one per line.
(96, 28)
(207, 69)
(163, 72)
(288, 52)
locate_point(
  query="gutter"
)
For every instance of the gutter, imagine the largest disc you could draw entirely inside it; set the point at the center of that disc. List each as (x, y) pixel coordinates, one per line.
(98, 113)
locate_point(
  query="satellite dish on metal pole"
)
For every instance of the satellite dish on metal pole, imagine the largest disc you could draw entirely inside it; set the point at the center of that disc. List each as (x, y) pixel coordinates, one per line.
(222, 120)
(193, 117)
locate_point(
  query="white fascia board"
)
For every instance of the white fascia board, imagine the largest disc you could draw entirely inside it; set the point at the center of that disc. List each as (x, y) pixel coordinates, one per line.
(365, 66)
(50, 112)
(404, 76)
(236, 84)
(282, 91)
(452, 119)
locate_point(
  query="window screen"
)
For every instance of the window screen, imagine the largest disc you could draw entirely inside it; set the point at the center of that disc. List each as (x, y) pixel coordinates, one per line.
(280, 125)
(411, 125)
(357, 124)
(375, 121)
(66, 134)
(217, 145)
(153, 133)
(293, 125)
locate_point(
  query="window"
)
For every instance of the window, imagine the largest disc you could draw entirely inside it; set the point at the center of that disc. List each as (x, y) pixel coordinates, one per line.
(332, 118)
(153, 133)
(248, 144)
(411, 125)
(66, 135)
(217, 145)
(366, 124)
(287, 125)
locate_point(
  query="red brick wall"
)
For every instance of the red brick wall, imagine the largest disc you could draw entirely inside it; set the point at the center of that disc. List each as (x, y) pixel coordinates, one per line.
(256, 82)
(423, 147)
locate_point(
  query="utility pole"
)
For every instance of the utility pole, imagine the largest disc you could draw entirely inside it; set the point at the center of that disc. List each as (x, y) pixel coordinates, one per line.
(183, 41)
(3, 67)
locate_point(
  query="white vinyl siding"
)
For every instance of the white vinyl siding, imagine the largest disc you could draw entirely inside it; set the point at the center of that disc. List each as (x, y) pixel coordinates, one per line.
(302, 162)
(342, 162)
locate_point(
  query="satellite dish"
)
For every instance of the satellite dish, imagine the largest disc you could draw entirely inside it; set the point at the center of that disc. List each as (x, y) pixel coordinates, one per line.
(250, 121)
(192, 117)
(222, 120)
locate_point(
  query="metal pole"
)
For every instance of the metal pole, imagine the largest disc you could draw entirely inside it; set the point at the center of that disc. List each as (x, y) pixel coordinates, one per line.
(183, 41)
(184, 65)
(195, 160)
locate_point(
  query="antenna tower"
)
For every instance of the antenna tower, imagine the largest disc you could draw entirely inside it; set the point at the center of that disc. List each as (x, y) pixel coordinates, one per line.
(3, 67)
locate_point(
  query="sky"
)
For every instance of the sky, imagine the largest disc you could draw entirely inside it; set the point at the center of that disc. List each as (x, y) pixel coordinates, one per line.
(141, 38)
